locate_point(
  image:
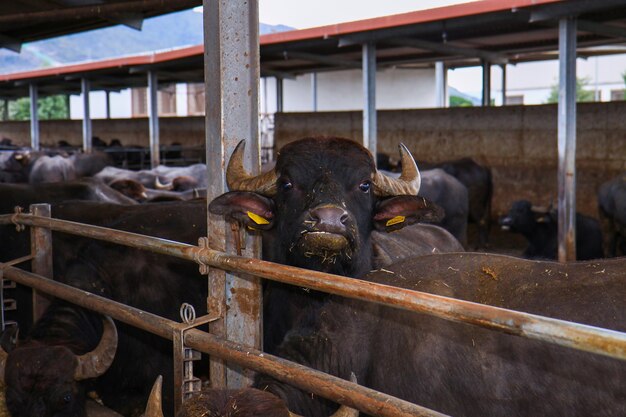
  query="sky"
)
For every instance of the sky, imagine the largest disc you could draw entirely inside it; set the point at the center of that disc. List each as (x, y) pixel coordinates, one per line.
(303, 14)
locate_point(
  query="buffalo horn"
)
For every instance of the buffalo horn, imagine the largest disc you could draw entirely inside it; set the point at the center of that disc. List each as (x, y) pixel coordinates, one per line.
(238, 179)
(540, 209)
(408, 183)
(96, 362)
(154, 408)
(159, 186)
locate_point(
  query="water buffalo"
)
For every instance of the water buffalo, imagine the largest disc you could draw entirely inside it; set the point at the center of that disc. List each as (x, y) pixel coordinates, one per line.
(460, 369)
(612, 209)
(539, 226)
(317, 209)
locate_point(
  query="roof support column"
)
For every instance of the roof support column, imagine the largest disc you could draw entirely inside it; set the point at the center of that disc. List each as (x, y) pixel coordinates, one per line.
(232, 101)
(279, 95)
(314, 90)
(441, 81)
(567, 139)
(486, 83)
(107, 104)
(66, 100)
(87, 135)
(5, 109)
(503, 66)
(369, 96)
(153, 118)
(34, 117)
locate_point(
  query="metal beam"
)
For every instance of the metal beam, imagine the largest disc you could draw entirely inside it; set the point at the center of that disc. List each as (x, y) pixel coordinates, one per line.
(34, 117)
(265, 72)
(103, 11)
(322, 59)
(279, 95)
(486, 99)
(567, 140)
(602, 29)
(314, 90)
(10, 43)
(503, 66)
(563, 9)
(153, 119)
(447, 49)
(87, 135)
(369, 97)
(107, 103)
(232, 103)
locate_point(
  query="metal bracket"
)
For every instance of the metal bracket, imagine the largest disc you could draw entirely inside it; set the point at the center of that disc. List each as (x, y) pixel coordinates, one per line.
(185, 383)
(18, 226)
(7, 304)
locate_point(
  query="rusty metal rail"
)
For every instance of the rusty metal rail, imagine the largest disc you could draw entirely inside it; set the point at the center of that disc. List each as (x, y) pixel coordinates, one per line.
(583, 337)
(333, 388)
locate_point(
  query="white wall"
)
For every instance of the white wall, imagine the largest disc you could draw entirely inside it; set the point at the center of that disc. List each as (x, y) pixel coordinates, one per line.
(343, 90)
(120, 105)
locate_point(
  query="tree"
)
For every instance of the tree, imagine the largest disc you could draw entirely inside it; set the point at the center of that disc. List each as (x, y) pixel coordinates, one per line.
(456, 101)
(48, 108)
(582, 95)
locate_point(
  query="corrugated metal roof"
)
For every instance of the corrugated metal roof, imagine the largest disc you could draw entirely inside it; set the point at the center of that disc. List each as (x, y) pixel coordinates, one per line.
(500, 31)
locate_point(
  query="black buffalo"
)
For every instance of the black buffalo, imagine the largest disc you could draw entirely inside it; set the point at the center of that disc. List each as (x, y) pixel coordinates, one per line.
(540, 227)
(145, 280)
(612, 209)
(463, 370)
(317, 209)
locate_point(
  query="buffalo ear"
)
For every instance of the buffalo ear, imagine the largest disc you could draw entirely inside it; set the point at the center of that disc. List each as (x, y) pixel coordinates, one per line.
(253, 210)
(396, 212)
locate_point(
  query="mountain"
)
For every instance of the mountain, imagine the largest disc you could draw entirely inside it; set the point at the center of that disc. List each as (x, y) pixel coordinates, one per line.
(174, 30)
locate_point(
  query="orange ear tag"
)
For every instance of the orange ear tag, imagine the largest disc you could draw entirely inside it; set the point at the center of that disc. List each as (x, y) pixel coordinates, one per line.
(257, 219)
(395, 220)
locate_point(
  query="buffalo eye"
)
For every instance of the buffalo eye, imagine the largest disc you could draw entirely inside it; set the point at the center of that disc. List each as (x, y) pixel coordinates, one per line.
(286, 185)
(365, 186)
(67, 397)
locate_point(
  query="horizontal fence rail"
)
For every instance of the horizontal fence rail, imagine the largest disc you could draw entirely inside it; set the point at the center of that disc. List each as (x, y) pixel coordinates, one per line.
(579, 336)
(333, 388)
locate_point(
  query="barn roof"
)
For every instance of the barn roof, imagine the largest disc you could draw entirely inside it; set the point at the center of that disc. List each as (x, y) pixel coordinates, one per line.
(499, 31)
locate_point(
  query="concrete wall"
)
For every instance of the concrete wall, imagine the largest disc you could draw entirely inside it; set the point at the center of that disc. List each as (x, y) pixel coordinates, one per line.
(185, 130)
(519, 143)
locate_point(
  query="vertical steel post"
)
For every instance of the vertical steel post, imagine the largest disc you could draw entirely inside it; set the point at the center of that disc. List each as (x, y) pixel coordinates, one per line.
(440, 84)
(369, 97)
(567, 139)
(314, 90)
(153, 119)
(232, 65)
(107, 103)
(503, 66)
(34, 117)
(41, 249)
(67, 106)
(87, 134)
(486, 83)
(5, 110)
(279, 95)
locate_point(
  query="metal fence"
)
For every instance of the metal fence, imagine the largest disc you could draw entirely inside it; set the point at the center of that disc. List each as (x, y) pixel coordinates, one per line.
(588, 338)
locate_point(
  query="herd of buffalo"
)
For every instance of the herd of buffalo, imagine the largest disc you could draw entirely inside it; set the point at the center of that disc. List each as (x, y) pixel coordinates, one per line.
(328, 205)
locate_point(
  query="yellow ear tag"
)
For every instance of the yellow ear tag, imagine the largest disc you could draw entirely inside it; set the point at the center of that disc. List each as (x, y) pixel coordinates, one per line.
(257, 219)
(395, 220)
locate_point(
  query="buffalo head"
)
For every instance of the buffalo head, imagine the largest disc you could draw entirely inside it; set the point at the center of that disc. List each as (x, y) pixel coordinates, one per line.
(318, 206)
(42, 380)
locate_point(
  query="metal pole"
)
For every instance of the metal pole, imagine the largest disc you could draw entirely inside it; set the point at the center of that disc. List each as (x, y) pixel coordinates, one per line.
(108, 104)
(153, 119)
(5, 110)
(567, 139)
(232, 66)
(279, 95)
(440, 84)
(486, 83)
(369, 96)
(34, 117)
(503, 66)
(67, 106)
(41, 250)
(314, 90)
(87, 135)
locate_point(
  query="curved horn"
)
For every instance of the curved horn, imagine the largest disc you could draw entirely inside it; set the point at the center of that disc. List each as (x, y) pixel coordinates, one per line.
(238, 179)
(96, 362)
(154, 407)
(408, 183)
(344, 411)
(159, 186)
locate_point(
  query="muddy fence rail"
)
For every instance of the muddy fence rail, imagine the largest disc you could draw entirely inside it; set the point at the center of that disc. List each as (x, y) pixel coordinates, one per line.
(588, 338)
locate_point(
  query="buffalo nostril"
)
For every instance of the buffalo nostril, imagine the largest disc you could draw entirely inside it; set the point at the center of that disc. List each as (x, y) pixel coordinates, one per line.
(329, 216)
